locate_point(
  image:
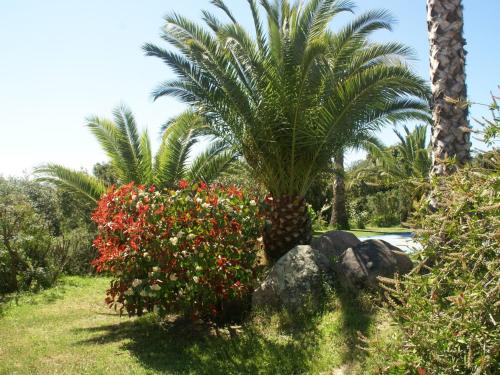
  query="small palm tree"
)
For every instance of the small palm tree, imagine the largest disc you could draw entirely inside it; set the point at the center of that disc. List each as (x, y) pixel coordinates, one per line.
(289, 98)
(131, 157)
(408, 162)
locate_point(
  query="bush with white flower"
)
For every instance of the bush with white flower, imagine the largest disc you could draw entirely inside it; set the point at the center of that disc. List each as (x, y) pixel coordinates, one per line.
(191, 251)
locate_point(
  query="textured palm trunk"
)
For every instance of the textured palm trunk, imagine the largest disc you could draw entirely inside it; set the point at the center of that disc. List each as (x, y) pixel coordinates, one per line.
(450, 132)
(287, 225)
(339, 218)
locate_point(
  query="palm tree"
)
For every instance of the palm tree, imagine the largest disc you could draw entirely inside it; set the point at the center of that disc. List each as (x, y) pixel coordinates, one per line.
(451, 132)
(131, 157)
(408, 162)
(291, 96)
(339, 218)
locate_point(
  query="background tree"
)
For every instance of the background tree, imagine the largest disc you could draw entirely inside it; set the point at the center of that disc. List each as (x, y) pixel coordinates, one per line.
(407, 162)
(131, 157)
(42, 234)
(289, 98)
(339, 218)
(15, 213)
(339, 215)
(104, 172)
(384, 186)
(450, 132)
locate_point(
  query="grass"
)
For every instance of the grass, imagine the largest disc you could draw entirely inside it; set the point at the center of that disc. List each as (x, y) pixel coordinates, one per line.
(68, 330)
(371, 231)
(375, 231)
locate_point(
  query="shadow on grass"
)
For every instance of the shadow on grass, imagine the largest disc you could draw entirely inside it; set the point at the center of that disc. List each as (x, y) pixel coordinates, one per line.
(185, 348)
(357, 318)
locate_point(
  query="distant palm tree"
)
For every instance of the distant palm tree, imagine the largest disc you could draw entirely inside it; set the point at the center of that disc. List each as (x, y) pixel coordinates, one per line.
(339, 218)
(289, 98)
(407, 162)
(450, 132)
(131, 157)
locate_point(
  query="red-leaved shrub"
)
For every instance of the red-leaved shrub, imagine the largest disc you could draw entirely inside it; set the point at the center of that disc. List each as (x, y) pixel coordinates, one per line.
(190, 251)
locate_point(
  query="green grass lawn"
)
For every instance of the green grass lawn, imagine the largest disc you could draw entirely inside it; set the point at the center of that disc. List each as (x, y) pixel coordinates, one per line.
(374, 231)
(69, 330)
(371, 231)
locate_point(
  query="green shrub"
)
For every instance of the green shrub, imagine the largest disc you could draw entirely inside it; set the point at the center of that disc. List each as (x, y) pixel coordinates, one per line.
(358, 215)
(191, 251)
(77, 243)
(41, 236)
(24, 242)
(381, 206)
(388, 208)
(317, 218)
(449, 311)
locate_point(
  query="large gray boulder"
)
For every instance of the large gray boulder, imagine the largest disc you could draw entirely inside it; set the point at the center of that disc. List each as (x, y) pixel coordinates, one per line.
(333, 244)
(358, 267)
(296, 278)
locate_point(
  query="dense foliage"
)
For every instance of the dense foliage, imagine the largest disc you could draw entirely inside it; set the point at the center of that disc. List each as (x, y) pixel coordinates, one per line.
(191, 251)
(383, 208)
(382, 188)
(449, 311)
(43, 233)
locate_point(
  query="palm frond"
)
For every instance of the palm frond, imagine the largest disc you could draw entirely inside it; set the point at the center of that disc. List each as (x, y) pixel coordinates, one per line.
(180, 135)
(221, 5)
(129, 144)
(290, 96)
(80, 183)
(110, 139)
(407, 160)
(145, 159)
(211, 164)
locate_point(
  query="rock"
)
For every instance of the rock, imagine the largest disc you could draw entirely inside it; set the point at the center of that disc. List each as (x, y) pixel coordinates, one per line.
(358, 267)
(295, 278)
(333, 244)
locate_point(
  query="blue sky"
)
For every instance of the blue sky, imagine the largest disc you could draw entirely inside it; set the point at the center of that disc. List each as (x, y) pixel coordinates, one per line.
(61, 61)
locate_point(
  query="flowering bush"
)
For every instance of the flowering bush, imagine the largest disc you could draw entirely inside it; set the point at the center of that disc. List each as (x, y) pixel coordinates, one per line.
(192, 251)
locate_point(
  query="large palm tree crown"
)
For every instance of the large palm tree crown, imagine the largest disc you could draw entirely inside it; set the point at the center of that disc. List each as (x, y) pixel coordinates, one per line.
(292, 95)
(297, 91)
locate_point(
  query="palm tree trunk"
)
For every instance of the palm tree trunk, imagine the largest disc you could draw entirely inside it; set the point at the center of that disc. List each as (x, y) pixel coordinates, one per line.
(339, 218)
(450, 132)
(287, 225)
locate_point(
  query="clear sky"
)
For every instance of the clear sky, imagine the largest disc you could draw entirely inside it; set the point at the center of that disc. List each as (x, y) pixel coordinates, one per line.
(62, 60)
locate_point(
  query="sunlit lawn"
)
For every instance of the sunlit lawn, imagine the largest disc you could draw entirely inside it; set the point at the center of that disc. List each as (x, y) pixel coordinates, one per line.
(371, 231)
(376, 231)
(68, 330)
